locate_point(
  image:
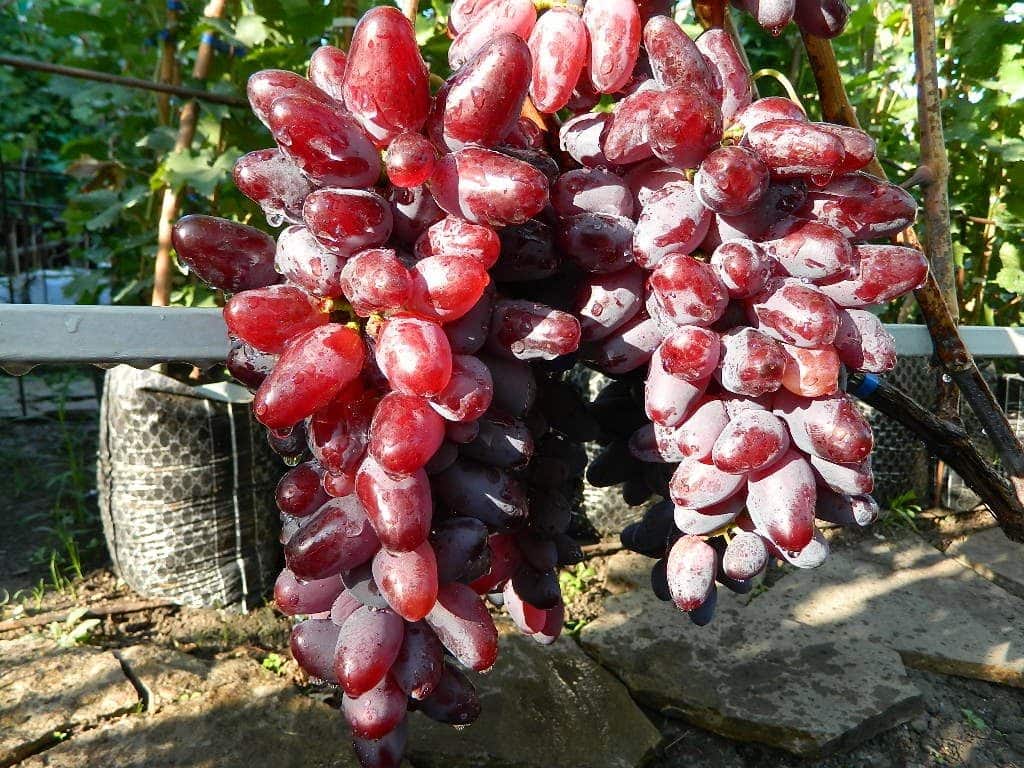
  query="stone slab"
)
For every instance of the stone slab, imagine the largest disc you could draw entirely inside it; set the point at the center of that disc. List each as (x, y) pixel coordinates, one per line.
(543, 707)
(752, 674)
(938, 614)
(246, 718)
(993, 556)
(46, 689)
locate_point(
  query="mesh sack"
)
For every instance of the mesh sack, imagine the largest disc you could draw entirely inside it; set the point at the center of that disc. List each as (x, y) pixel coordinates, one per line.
(186, 481)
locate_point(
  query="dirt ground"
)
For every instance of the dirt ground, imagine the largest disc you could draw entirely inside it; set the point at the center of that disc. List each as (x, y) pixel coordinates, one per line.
(967, 723)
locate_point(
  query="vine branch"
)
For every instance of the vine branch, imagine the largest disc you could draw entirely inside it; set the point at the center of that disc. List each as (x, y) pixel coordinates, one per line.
(950, 351)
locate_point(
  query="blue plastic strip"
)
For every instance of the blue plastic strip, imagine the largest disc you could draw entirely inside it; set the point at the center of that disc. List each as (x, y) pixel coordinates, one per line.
(175, 5)
(208, 38)
(868, 386)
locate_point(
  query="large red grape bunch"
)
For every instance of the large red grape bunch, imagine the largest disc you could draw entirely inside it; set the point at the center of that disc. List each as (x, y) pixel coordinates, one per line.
(445, 261)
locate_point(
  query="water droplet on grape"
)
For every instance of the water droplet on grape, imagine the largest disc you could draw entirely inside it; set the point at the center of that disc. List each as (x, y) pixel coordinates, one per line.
(274, 219)
(946, 378)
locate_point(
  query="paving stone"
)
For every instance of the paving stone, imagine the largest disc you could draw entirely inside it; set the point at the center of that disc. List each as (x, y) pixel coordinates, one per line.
(939, 615)
(993, 556)
(752, 674)
(543, 707)
(46, 689)
(247, 718)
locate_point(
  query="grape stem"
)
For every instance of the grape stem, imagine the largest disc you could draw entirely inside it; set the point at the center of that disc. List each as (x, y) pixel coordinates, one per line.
(950, 351)
(783, 81)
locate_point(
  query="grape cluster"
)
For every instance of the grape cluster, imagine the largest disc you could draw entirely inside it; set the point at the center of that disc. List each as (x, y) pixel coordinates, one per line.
(407, 334)
(821, 18)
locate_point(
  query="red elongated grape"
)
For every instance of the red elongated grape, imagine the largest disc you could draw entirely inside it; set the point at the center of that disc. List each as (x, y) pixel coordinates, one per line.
(288, 442)
(386, 82)
(460, 544)
(614, 30)
(526, 330)
(731, 181)
(299, 492)
(590, 190)
(469, 392)
(415, 356)
(515, 387)
(248, 365)
(605, 302)
(822, 18)
(668, 398)
(375, 280)
(863, 343)
(626, 139)
(405, 433)
(675, 59)
(846, 510)
(339, 485)
(745, 556)
(795, 148)
(338, 537)
(844, 478)
(292, 596)
(505, 560)
(481, 103)
(726, 62)
(377, 712)
(407, 580)
(486, 493)
(742, 266)
(444, 288)
(558, 47)
(597, 242)
(811, 556)
(701, 522)
(454, 701)
(831, 427)
(267, 318)
(753, 440)
(339, 432)
(539, 588)
(526, 617)
(781, 199)
(502, 441)
(385, 752)
(684, 125)
(696, 484)
(751, 363)
(688, 291)
(862, 207)
(794, 313)
(312, 646)
(327, 70)
(886, 271)
(225, 254)
(467, 334)
(309, 373)
(648, 177)
(268, 85)
(769, 108)
(360, 585)
(485, 187)
(410, 160)
(691, 572)
(772, 15)
(859, 147)
(515, 17)
(812, 250)
(273, 181)
(582, 138)
(695, 437)
(554, 618)
(672, 221)
(399, 508)
(811, 372)
(780, 500)
(304, 261)
(347, 220)
(413, 211)
(452, 236)
(462, 11)
(652, 443)
(628, 348)
(525, 134)
(420, 662)
(463, 625)
(326, 144)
